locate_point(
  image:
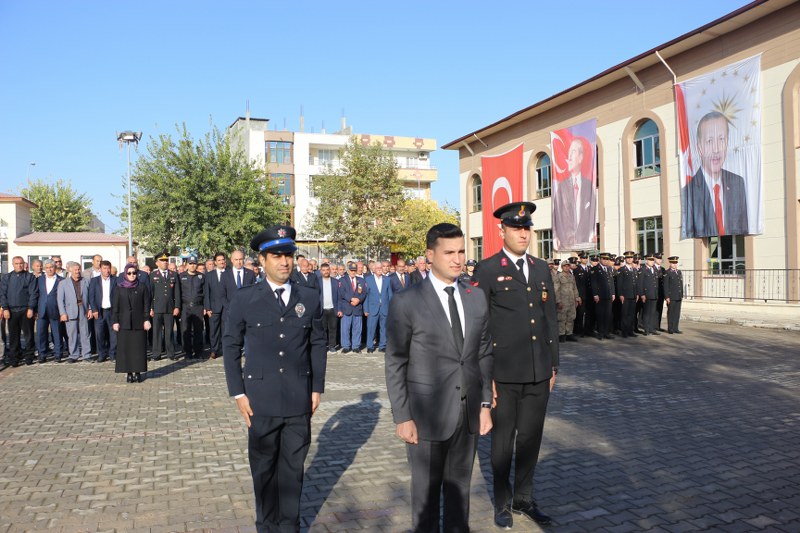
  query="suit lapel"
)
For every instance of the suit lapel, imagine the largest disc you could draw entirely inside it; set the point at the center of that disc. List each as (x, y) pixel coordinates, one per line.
(470, 318)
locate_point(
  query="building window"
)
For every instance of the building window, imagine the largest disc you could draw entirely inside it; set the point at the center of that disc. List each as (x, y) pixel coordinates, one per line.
(726, 254)
(283, 185)
(649, 235)
(543, 181)
(477, 194)
(544, 243)
(325, 156)
(279, 152)
(477, 248)
(647, 147)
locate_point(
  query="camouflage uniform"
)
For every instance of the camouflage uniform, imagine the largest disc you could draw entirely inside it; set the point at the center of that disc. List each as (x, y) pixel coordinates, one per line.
(566, 300)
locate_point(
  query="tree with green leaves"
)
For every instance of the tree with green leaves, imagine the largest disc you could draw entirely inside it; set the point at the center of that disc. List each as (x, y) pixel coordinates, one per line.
(415, 218)
(359, 200)
(204, 195)
(60, 207)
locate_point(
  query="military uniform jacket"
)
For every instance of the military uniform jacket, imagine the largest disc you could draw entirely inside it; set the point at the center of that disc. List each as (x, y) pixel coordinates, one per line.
(673, 284)
(523, 322)
(602, 282)
(286, 350)
(627, 282)
(582, 282)
(166, 291)
(193, 289)
(648, 282)
(566, 290)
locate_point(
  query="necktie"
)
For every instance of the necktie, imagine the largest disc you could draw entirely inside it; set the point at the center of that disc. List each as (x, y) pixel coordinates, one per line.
(239, 279)
(520, 266)
(353, 280)
(718, 211)
(402, 280)
(575, 189)
(455, 319)
(279, 294)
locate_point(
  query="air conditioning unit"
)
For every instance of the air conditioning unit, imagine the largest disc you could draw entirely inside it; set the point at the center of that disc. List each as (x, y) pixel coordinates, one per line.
(423, 156)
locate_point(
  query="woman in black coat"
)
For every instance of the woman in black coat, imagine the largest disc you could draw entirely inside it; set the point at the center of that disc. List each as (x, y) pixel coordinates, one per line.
(130, 316)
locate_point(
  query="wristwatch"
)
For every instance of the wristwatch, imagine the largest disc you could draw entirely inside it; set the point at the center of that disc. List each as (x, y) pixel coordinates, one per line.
(487, 405)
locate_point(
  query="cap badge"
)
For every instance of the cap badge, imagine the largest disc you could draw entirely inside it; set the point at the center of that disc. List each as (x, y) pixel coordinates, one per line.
(281, 233)
(300, 309)
(521, 212)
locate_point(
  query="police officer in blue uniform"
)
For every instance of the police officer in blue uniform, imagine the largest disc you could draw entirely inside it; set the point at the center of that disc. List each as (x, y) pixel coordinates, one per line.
(283, 377)
(524, 327)
(193, 286)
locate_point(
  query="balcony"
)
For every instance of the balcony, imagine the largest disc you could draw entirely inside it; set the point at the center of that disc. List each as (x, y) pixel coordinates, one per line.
(417, 175)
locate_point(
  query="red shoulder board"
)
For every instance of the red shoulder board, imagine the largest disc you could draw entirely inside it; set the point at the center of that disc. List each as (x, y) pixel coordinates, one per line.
(530, 259)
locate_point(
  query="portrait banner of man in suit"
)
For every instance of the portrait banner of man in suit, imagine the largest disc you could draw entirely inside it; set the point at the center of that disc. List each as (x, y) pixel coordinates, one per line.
(719, 127)
(574, 187)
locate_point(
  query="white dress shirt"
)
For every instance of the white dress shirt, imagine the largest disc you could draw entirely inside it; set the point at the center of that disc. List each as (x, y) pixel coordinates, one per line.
(439, 286)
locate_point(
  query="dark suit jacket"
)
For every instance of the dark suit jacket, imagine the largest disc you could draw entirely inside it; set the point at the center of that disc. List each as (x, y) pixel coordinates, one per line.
(312, 282)
(424, 370)
(395, 281)
(334, 294)
(648, 282)
(229, 287)
(416, 277)
(130, 308)
(673, 284)
(628, 282)
(522, 318)
(96, 293)
(567, 228)
(286, 350)
(48, 303)
(699, 218)
(346, 292)
(215, 292)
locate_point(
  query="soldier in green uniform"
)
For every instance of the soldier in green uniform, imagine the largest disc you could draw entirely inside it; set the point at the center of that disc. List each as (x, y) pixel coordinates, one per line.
(524, 329)
(567, 299)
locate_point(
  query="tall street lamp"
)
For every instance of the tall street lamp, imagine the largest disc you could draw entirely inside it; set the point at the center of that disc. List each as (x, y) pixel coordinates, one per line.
(129, 137)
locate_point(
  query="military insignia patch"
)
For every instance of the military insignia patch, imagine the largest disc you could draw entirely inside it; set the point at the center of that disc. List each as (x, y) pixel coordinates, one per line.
(501, 278)
(503, 262)
(509, 278)
(300, 309)
(544, 293)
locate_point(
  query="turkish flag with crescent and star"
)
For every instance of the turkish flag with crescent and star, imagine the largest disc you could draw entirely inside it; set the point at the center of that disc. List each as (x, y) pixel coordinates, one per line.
(501, 185)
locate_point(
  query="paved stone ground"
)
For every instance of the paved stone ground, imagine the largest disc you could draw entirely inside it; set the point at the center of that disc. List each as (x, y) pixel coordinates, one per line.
(675, 433)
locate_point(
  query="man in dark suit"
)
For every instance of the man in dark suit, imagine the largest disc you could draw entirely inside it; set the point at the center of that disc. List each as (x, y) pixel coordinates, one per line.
(574, 210)
(376, 307)
(214, 303)
(283, 378)
(673, 295)
(438, 377)
(329, 301)
(304, 276)
(715, 200)
(166, 305)
(523, 324)
(400, 279)
(352, 293)
(236, 277)
(48, 317)
(101, 296)
(420, 273)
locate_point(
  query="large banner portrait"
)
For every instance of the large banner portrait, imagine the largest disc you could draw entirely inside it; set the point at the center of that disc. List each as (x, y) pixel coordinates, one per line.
(574, 187)
(502, 179)
(719, 126)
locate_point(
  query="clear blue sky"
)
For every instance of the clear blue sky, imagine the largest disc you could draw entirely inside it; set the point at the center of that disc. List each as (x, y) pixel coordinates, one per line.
(75, 73)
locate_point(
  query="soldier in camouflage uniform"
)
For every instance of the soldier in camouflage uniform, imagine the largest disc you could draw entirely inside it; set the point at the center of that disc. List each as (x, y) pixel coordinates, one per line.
(567, 299)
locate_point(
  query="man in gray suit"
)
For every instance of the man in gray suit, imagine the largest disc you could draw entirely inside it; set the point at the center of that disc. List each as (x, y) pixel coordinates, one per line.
(439, 379)
(73, 304)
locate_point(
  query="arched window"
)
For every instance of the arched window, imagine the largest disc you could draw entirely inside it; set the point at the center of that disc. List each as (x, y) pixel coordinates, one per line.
(647, 148)
(543, 181)
(477, 200)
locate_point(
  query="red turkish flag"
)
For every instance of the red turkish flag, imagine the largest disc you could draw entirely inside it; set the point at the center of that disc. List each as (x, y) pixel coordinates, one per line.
(501, 185)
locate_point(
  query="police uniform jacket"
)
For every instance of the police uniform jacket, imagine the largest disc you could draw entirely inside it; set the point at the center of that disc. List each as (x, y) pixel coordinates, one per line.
(523, 323)
(286, 350)
(602, 282)
(627, 282)
(166, 291)
(673, 284)
(346, 292)
(193, 289)
(648, 282)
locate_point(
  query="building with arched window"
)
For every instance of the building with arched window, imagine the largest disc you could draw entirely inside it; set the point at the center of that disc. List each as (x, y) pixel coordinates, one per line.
(639, 145)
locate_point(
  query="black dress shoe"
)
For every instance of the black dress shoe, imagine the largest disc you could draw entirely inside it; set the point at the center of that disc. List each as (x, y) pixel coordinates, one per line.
(678, 331)
(157, 358)
(608, 336)
(670, 332)
(129, 378)
(71, 360)
(357, 351)
(655, 333)
(139, 378)
(530, 510)
(661, 330)
(503, 517)
(346, 350)
(370, 350)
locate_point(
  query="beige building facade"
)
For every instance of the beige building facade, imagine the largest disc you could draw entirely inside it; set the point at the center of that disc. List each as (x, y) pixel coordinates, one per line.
(639, 199)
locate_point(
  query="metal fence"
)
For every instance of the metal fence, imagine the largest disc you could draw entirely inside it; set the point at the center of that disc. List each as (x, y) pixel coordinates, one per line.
(757, 285)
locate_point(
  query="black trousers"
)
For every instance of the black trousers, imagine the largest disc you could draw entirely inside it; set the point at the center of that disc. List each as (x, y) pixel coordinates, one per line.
(520, 413)
(602, 310)
(580, 313)
(330, 322)
(19, 325)
(105, 335)
(442, 469)
(277, 449)
(649, 315)
(659, 311)
(163, 324)
(628, 315)
(215, 325)
(589, 320)
(192, 330)
(673, 315)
